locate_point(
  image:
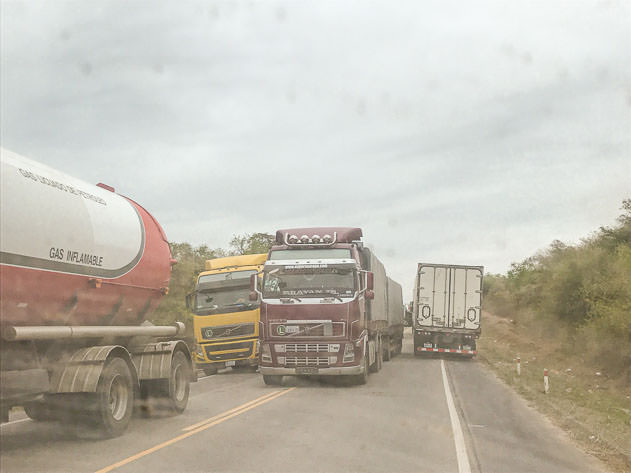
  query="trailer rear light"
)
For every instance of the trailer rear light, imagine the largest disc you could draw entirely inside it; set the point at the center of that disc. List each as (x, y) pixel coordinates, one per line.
(279, 348)
(266, 354)
(333, 347)
(281, 360)
(349, 352)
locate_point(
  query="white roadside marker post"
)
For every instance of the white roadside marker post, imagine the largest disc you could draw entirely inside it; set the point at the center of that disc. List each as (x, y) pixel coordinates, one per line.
(518, 366)
(546, 382)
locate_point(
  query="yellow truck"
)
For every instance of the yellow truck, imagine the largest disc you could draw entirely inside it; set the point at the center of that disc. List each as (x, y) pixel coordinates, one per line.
(226, 322)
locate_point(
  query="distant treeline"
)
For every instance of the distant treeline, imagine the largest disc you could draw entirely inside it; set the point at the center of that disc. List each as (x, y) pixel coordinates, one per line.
(580, 294)
(190, 262)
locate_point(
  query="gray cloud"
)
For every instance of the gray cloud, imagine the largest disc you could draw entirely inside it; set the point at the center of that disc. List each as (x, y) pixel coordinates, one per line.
(450, 131)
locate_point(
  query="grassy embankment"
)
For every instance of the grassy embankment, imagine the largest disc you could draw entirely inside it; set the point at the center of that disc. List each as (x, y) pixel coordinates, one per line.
(568, 309)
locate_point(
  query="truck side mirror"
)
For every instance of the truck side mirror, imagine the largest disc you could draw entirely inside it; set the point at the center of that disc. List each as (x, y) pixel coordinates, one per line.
(189, 300)
(253, 296)
(370, 281)
(370, 294)
(253, 283)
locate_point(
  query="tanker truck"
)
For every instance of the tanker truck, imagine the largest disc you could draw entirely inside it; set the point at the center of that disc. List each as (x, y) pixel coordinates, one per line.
(324, 306)
(81, 269)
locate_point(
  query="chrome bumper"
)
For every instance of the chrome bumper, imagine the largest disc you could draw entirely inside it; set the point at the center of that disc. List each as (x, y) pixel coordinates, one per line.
(336, 370)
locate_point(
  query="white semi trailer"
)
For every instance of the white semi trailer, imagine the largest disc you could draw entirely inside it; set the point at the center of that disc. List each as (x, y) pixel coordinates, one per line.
(447, 308)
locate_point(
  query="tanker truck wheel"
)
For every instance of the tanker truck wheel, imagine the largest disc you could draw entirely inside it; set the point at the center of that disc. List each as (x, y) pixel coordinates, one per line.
(179, 383)
(114, 398)
(39, 411)
(176, 389)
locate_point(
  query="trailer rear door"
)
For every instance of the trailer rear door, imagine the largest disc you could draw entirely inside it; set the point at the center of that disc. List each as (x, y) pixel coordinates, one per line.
(448, 296)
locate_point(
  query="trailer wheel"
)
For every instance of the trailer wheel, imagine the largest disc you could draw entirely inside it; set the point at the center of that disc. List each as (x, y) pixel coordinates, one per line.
(272, 379)
(387, 350)
(114, 397)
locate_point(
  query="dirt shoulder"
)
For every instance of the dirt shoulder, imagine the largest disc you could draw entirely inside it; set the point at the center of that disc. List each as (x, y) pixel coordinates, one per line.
(592, 408)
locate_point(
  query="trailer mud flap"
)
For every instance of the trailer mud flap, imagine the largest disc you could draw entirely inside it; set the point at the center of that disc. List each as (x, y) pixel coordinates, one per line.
(153, 361)
(80, 372)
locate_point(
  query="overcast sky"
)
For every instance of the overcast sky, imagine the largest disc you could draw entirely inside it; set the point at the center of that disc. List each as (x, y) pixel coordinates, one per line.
(456, 132)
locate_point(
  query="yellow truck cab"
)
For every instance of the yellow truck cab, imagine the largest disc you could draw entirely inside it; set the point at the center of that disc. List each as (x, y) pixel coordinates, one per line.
(226, 322)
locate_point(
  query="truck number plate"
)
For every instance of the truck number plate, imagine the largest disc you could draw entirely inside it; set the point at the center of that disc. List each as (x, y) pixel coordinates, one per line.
(230, 363)
(306, 370)
(292, 329)
(427, 345)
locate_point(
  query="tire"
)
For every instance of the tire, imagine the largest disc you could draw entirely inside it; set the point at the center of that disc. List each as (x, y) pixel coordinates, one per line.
(114, 398)
(272, 379)
(178, 388)
(362, 378)
(376, 366)
(387, 350)
(38, 411)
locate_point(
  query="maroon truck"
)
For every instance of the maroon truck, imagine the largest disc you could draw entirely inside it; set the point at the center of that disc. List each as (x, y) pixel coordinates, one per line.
(327, 306)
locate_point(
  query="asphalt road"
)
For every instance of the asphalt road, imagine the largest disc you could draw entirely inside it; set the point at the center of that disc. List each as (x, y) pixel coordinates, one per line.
(415, 415)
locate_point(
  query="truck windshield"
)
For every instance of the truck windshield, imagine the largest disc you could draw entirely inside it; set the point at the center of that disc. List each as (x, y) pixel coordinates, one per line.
(309, 281)
(220, 293)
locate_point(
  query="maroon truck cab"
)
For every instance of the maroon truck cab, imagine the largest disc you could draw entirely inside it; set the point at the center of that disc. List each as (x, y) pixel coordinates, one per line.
(314, 295)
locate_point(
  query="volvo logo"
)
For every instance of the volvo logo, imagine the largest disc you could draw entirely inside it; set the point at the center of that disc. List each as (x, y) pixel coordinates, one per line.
(281, 330)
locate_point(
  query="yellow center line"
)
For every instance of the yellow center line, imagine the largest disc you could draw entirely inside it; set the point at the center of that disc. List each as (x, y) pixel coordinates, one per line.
(193, 432)
(223, 414)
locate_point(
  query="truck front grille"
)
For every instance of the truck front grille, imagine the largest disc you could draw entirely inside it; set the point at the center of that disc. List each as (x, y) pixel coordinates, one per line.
(240, 350)
(306, 361)
(224, 331)
(306, 347)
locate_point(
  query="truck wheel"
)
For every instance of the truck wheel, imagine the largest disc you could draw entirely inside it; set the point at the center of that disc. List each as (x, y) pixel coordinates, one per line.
(38, 411)
(376, 366)
(387, 350)
(362, 378)
(272, 379)
(179, 387)
(114, 398)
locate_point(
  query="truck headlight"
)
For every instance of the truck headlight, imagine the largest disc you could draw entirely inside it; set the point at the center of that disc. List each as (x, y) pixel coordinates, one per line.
(266, 354)
(349, 352)
(199, 352)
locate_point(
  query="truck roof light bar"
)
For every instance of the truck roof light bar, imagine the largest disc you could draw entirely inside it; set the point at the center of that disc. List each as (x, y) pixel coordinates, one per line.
(315, 240)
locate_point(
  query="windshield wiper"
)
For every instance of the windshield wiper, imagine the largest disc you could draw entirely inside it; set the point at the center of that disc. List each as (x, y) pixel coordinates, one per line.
(326, 295)
(239, 304)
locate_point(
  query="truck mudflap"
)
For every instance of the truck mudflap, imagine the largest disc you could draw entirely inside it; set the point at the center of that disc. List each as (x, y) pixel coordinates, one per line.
(448, 350)
(153, 360)
(81, 371)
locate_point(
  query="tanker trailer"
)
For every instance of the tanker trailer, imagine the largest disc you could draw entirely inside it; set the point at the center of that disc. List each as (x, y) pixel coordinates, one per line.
(81, 269)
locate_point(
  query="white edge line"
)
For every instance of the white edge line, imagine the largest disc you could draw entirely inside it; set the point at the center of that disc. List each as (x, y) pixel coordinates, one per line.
(461, 449)
(15, 421)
